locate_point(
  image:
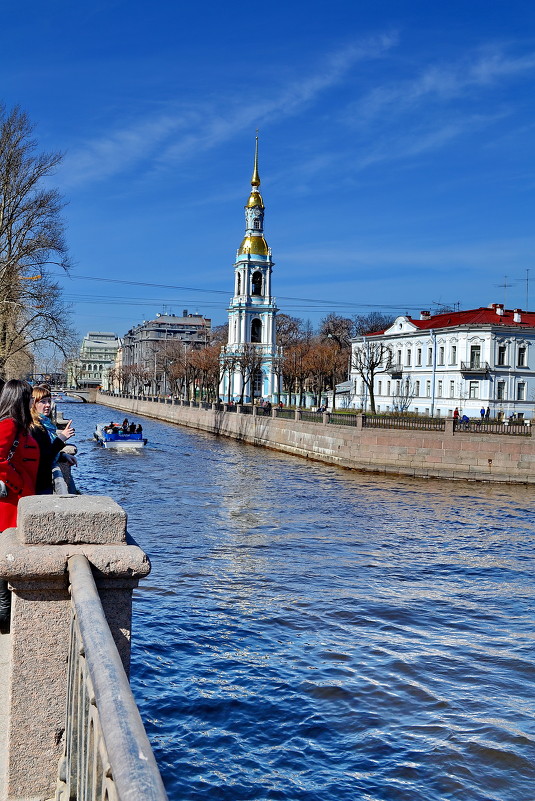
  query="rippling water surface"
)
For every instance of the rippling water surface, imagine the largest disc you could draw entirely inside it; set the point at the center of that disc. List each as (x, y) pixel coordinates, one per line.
(312, 634)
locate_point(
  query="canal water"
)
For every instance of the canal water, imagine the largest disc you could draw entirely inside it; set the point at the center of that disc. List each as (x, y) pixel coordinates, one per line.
(313, 634)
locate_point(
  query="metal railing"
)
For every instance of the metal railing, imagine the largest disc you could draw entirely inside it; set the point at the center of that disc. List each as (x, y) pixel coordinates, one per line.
(519, 429)
(246, 409)
(475, 367)
(311, 417)
(286, 414)
(107, 753)
(415, 423)
(339, 419)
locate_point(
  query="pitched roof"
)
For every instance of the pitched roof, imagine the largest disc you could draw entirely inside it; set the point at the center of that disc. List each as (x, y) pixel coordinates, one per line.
(483, 316)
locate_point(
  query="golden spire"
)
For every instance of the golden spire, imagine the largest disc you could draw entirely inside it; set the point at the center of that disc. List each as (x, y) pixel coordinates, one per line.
(255, 180)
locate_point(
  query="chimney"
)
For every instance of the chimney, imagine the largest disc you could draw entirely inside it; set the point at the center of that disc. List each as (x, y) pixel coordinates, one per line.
(517, 315)
(184, 312)
(499, 309)
(425, 315)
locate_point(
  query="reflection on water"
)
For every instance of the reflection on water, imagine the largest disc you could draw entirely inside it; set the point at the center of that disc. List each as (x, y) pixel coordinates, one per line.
(310, 633)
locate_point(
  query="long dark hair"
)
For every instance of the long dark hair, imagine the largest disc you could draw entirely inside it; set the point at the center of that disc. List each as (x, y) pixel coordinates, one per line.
(15, 403)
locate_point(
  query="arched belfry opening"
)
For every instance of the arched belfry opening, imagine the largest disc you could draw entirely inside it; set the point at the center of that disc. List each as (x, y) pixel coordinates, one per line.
(256, 283)
(238, 286)
(256, 331)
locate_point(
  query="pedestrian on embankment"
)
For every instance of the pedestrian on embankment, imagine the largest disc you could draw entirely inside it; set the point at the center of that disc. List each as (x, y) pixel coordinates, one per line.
(19, 463)
(50, 441)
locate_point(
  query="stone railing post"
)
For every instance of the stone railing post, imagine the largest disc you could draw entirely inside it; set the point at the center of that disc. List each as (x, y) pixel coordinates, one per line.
(274, 411)
(297, 414)
(239, 408)
(449, 428)
(255, 410)
(360, 422)
(325, 418)
(33, 558)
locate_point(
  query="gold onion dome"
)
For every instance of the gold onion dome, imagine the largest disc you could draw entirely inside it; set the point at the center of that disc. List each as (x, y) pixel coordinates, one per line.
(255, 199)
(255, 245)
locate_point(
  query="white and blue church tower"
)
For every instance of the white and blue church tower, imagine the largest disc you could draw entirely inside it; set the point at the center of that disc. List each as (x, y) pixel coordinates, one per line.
(252, 310)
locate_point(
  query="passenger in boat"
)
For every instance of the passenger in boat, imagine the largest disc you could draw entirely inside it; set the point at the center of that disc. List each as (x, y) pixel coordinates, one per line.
(132, 428)
(139, 428)
(125, 425)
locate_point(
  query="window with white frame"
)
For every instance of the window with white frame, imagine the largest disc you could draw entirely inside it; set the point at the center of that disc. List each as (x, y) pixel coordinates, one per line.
(521, 361)
(441, 355)
(417, 388)
(521, 391)
(473, 390)
(500, 390)
(452, 389)
(439, 389)
(429, 356)
(388, 385)
(428, 389)
(408, 358)
(419, 357)
(398, 359)
(453, 355)
(379, 387)
(502, 355)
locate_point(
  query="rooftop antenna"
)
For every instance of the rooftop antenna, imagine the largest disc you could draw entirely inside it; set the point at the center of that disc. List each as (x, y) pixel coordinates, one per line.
(505, 287)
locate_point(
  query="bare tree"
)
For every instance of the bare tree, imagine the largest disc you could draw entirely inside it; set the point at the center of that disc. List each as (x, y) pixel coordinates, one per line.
(368, 359)
(403, 395)
(290, 330)
(372, 322)
(31, 240)
(338, 328)
(248, 363)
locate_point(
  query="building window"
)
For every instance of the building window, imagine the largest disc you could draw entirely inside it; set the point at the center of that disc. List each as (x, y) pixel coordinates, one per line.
(429, 356)
(398, 387)
(475, 358)
(417, 389)
(453, 359)
(521, 391)
(428, 389)
(398, 360)
(388, 384)
(452, 389)
(419, 357)
(256, 331)
(439, 389)
(473, 390)
(502, 355)
(258, 381)
(441, 355)
(256, 283)
(379, 387)
(500, 390)
(409, 358)
(256, 224)
(238, 285)
(521, 362)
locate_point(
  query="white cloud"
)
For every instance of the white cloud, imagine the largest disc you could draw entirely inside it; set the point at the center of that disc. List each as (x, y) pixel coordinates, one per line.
(174, 136)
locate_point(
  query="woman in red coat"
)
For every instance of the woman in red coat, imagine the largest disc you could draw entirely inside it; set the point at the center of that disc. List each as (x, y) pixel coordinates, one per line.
(19, 460)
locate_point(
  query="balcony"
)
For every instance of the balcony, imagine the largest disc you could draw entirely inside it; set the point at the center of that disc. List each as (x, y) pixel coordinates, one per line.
(395, 369)
(475, 367)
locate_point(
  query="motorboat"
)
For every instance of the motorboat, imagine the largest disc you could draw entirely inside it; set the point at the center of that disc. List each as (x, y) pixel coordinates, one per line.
(117, 438)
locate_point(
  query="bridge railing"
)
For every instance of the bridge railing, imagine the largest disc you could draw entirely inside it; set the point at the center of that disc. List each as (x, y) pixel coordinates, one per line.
(69, 698)
(107, 754)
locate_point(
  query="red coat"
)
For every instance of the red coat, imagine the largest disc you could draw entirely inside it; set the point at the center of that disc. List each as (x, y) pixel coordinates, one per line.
(19, 473)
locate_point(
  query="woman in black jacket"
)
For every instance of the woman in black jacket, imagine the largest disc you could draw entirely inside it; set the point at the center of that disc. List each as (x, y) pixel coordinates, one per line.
(50, 441)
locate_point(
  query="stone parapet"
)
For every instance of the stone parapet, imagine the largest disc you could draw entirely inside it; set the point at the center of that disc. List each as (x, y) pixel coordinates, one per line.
(33, 558)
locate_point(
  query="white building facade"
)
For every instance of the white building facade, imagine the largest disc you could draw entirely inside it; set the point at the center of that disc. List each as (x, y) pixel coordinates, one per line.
(97, 355)
(252, 311)
(467, 360)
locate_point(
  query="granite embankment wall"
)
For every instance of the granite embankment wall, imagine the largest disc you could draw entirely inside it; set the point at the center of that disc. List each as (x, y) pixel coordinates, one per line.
(427, 454)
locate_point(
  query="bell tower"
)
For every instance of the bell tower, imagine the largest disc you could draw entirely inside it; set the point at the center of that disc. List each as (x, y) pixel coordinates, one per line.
(251, 315)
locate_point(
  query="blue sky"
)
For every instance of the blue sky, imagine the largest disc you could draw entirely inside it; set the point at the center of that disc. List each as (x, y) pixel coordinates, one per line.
(396, 149)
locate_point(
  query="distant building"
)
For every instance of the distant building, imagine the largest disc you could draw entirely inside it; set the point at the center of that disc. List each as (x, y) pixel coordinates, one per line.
(143, 343)
(466, 359)
(97, 355)
(249, 362)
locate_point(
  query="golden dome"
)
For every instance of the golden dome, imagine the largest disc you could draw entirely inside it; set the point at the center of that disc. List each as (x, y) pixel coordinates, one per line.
(255, 245)
(255, 199)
